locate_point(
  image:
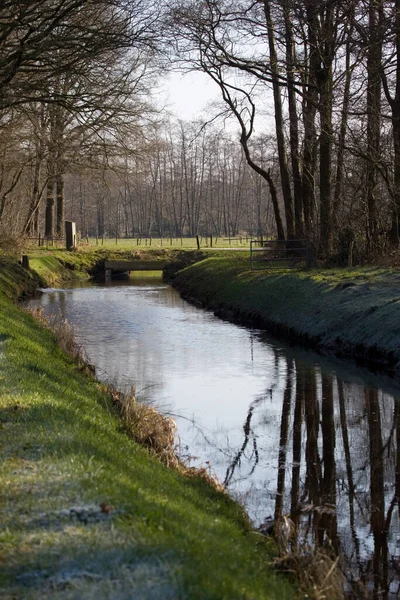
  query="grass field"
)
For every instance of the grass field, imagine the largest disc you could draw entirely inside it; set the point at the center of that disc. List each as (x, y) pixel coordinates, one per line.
(144, 243)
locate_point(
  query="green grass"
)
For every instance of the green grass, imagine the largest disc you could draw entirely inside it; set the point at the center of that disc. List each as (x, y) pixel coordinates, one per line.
(85, 511)
(154, 243)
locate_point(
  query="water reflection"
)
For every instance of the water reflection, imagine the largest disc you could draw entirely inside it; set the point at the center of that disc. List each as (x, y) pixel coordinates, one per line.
(340, 444)
(289, 433)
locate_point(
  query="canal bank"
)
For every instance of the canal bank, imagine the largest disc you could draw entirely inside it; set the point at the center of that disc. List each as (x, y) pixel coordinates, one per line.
(88, 512)
(353, 314)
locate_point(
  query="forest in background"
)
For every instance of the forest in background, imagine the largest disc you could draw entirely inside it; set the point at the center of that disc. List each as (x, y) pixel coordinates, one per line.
(311, 91)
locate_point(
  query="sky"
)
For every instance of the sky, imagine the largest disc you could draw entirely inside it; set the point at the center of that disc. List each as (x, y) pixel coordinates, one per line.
(188, 95)
(192, 96)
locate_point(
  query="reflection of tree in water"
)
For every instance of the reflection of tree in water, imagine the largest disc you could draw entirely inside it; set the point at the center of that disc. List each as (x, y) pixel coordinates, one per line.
(248, 435)
(345, 475)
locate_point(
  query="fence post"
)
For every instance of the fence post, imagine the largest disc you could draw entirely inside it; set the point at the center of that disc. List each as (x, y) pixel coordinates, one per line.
(70, 235)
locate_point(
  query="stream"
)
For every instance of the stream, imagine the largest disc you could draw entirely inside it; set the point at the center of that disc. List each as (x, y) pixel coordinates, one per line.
(286, 430)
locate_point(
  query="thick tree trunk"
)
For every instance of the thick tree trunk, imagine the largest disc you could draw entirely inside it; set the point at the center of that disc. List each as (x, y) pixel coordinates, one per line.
(325, 165)
(394, 233)
(293, 123)
(337, 197)
(49, 214)
(279, 124)
(374, 85)
(321, 42)
(60, 204)
(310, 101)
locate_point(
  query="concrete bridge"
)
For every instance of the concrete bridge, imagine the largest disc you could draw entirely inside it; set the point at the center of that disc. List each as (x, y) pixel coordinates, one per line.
(125, 266)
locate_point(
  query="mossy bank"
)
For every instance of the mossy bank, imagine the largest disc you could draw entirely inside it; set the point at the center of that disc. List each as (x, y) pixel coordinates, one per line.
(352, 313)
(88, 513)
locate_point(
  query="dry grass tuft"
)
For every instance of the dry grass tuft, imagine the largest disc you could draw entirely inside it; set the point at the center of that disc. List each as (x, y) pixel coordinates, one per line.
(156, 432)
(317, 575)
(205, 474)
(148, 427)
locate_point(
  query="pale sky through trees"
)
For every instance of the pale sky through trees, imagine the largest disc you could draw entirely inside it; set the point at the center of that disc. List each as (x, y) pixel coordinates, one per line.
(193, 96)
(188, 95)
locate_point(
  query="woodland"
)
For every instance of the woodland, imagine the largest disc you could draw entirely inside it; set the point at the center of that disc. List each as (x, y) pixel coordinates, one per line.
(304, 142)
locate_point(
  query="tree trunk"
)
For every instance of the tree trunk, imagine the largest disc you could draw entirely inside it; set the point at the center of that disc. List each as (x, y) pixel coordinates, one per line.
(294, 125)
(32, 221)
(60, 204)
(394, 234)
(49, 214)
(337, 197)
(374, 64)
(279, 124)
(310, 101)
(325, 167)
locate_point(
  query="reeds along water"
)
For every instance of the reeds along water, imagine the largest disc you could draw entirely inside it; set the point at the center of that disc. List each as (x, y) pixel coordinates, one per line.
(338, 477)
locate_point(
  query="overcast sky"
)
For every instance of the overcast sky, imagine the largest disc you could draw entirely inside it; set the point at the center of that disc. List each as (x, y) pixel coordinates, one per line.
(187, 96)
(194, 96)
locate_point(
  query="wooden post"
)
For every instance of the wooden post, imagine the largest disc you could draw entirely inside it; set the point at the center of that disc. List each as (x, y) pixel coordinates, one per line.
(25, 261)
(70, 235)
(198, 242)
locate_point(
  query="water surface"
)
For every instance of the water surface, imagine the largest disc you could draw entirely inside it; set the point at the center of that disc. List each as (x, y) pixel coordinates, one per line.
(288, 432)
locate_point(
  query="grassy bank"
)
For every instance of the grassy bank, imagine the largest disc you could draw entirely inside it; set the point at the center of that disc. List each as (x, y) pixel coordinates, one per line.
(352, 313)
(88, 513)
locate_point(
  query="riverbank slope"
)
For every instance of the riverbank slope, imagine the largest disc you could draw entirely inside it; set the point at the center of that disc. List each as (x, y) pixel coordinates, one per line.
(354, 314)
(85, 511)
